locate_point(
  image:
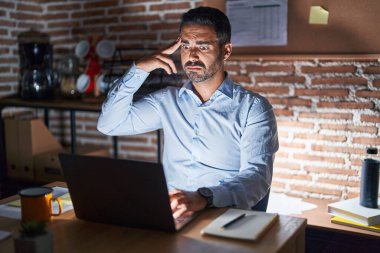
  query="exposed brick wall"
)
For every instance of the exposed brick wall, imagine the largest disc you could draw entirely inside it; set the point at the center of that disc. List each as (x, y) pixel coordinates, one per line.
(327, 108)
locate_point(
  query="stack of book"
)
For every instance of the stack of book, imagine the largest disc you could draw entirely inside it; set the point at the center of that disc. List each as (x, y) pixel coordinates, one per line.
(351, 213)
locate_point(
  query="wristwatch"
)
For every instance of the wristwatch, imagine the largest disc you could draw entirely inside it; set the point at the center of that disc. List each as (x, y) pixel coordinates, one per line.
(207, 194)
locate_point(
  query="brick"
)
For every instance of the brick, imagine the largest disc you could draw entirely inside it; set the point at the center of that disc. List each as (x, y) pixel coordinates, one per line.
(64, 41)
(317, 190)
(145, 36)
(7, 5)
(287, 165)
(25, 16)
(100, 21)
(356, 162)
(271, 68)
(338, 182)
(100, 4)
(320, 137)
(134, 138)
(282, 154)
(291, 176)
(64, 24)
(290, 101)
(345, 116)
(5, 88)
(169, 36)
(169, 6)
(322, 92)
(370, 118)
(367, 141)
(5, 69)
(242, 79)
(368, 93)
(138, 148)
(7, 23)
(8, 59)
(140, 18)
(57, 33)
(8, 79)
(327, 170)
(234, 68)
(285, 144)
(277, 184)
(268, 89)
(139, 1)
(86, 14)
(280, 79)
(55, 16)
(340, 80)
(336, 149)
(164, 26)
(351, 195)
(126, 28)
(28, 7)
(176, 16)
(318, 158)
(37, 26)
(127, 9)
(296, 124)
(2, 13)
(64, 7)
(4, 51)
(3, 31)
(376, 82)
(346, 105)
(141, 157)
(350, 128)
(283, 112)
(328, 69)
(372, 70)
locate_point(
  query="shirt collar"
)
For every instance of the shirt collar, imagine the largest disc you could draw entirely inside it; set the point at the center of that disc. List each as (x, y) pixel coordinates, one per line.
(225, 88)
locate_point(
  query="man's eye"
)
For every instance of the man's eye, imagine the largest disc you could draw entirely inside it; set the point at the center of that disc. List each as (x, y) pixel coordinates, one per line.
(184, 46)
(203, 48)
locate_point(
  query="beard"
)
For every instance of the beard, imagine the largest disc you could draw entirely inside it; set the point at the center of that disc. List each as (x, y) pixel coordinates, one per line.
(205, 73)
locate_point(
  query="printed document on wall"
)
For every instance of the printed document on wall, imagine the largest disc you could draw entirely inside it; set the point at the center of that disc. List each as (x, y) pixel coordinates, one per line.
(258, 22)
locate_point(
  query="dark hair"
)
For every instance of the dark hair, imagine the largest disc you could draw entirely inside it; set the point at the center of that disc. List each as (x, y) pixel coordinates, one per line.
(211, 17)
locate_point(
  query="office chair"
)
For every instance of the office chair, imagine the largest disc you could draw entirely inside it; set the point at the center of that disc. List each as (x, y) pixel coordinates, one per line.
(262, 204)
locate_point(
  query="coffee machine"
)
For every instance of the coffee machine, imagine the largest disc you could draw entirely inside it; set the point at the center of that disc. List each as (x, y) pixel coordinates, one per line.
(36, 78)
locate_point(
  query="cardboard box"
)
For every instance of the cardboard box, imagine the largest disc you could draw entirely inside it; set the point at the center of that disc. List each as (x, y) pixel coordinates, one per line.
(48, 168)
(26, 138)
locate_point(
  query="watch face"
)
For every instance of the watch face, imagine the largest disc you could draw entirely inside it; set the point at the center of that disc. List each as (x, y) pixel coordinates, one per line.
(205, 192)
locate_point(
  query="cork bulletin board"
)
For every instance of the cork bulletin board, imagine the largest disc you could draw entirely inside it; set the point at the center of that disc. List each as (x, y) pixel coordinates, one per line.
(353, 28)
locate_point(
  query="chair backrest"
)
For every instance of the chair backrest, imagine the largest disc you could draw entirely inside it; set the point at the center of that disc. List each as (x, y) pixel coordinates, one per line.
(262, 204)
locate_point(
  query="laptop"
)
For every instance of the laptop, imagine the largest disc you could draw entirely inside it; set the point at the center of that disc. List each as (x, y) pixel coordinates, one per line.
(119, 192)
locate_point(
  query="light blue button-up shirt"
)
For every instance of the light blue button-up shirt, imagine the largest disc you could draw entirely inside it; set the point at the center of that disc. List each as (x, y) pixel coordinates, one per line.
(226, 144)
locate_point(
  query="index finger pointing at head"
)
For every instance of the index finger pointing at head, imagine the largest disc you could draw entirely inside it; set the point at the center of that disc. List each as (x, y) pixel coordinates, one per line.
(173, 47)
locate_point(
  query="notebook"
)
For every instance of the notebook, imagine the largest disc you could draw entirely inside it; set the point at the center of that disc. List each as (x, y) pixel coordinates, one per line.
(246, 224)
(119, 192)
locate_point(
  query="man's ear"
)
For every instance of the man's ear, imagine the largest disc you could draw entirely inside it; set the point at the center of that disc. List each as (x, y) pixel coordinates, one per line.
(227, 51)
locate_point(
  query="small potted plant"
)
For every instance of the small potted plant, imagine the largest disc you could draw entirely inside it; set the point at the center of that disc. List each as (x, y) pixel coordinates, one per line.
(34, 238)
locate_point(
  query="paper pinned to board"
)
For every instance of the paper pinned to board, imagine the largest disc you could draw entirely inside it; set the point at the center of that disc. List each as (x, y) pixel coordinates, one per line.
(318, 15)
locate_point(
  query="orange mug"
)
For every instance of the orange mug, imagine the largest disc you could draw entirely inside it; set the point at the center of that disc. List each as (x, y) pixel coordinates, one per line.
(36, 204)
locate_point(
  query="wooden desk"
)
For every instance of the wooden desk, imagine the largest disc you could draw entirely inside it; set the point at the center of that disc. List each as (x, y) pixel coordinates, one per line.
(73, 235)
(322, 236)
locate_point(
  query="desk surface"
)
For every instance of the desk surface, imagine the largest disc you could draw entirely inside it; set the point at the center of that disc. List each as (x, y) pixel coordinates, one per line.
(319, 218)
(92, 105)
(73, 235)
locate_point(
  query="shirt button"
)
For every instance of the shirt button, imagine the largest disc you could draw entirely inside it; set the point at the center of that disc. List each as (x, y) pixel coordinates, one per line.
(196, 132)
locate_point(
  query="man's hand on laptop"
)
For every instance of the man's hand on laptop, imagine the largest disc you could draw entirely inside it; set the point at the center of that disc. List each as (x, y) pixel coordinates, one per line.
(185, 203)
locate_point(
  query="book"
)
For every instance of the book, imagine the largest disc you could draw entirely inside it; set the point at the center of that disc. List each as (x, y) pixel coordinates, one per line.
(246, 224)
(341, 221)
(350, 209)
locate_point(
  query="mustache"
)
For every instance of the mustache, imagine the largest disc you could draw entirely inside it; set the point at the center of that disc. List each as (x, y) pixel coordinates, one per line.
(194, 64)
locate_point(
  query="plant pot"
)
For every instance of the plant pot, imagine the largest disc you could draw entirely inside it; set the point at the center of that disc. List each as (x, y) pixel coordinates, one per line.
(39, 244)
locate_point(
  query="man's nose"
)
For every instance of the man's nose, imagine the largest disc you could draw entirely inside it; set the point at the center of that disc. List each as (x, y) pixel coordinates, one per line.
(193, 56)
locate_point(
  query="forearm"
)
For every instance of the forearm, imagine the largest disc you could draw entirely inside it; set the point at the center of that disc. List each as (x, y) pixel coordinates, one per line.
(116, 108)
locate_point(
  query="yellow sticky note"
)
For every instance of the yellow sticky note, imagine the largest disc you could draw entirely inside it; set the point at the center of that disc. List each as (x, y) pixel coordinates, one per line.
(318, 15)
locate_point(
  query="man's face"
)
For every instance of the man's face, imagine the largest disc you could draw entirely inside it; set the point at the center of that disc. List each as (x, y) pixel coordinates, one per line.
(201, 55)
